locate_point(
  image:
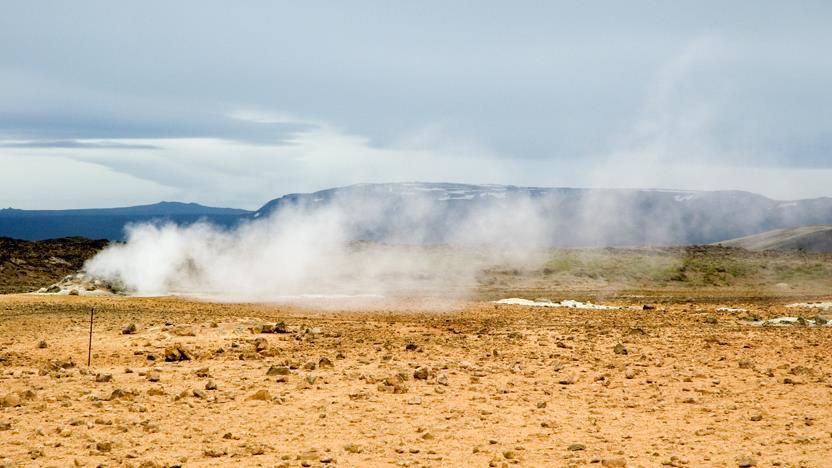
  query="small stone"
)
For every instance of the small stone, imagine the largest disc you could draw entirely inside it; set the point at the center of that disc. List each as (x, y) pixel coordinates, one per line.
(509, 455)
(414, 400)
(756, 416)
(129, 329)
(214, 452)
(280, 327)
(746, 462)
(260, 395)
(104, 446)
(278, 370)
(203, 372)
(567, 379)
(576, 447)
(629, 373)
(177, 353)
(421, 373)
(198, 393)
(5, 425)
(411, 347)
(442, 379)
(42, 344)
(325, 363)
(614, 463)
(210, 385)
(620, 349)
(10, 401)
(153, 376)
(261, 344)
(353, 448)
(100, 378)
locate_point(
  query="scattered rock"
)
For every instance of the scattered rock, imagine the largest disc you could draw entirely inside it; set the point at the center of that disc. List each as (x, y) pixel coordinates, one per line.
(411, 347)
(182, 330)
(325, 363)
(153, 375)
(746, 462)
(260, 395)
(214, 452)
(620, 349)
(129, 329)
(177, 353)
(104, 446)
(756, 416)
(261, 344)
(210, 385)
(353, 448)
(421, 373)
(442, 379)
(199, 393)
(101, 378)
(278, 370)
(614, 463)
(576, 447)
(568, 379)
(10, 400)
(42, 344)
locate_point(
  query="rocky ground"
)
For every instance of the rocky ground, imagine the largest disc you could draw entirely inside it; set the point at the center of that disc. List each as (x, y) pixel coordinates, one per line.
(177, 382)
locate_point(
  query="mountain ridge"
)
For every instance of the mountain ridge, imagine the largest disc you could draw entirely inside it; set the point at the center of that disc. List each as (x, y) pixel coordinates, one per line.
(577, 217)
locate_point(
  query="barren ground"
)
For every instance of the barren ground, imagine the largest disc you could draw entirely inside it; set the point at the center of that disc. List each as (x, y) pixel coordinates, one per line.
(502, 385)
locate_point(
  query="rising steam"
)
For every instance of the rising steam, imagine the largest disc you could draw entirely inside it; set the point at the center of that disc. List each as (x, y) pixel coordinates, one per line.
(313, 248)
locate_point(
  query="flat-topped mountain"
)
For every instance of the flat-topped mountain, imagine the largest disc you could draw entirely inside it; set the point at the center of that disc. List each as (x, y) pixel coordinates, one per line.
(107, 223)
(436, 212)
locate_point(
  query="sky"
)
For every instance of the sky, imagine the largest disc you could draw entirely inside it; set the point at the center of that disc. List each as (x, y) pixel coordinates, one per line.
(234, 103)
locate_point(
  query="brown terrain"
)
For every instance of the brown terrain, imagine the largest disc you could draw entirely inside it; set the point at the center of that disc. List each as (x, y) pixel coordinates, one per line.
(201, 384)
(693, 379)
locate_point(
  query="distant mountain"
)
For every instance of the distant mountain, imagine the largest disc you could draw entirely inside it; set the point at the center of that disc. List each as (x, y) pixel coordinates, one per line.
(571, 217)
(817, 238)
(445, 212)
(107, 223)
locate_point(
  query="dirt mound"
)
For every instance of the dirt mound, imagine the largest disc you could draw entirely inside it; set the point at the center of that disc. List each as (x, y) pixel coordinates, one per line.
(26, 266)
(81, 284)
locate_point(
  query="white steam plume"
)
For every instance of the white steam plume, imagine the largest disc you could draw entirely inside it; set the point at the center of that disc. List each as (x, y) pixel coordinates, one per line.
(310, 249)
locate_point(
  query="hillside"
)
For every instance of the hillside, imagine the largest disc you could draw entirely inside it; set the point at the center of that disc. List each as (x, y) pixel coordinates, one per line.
(29, 265)
(815, 238)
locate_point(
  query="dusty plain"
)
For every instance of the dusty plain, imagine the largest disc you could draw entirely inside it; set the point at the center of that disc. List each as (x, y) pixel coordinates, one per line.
(477, 384)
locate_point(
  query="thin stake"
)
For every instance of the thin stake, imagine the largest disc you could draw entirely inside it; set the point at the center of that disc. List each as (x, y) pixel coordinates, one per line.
(89, 352)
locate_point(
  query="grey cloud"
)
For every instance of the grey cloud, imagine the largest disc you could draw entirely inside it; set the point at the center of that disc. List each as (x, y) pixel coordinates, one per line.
(530, 82)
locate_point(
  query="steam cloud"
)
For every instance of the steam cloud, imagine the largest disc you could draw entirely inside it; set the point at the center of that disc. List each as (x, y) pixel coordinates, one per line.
(311, 248)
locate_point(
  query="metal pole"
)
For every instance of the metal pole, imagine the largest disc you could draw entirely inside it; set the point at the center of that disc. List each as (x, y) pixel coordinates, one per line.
(89, 351)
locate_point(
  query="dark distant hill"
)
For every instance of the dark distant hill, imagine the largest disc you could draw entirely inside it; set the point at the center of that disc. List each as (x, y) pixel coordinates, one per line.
(107, 223)
(816, 238)
(572, 217)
